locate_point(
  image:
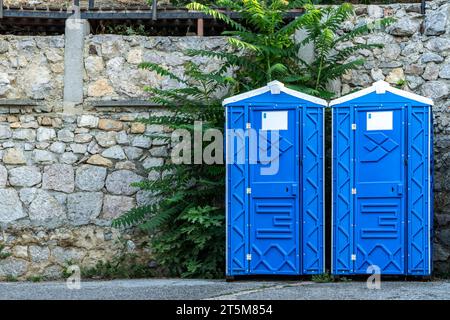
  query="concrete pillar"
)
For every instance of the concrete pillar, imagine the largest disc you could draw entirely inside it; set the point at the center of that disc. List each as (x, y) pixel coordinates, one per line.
(75, 33)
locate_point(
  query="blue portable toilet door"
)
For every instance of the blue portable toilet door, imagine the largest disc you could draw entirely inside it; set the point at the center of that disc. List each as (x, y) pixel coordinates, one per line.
(274, 192)
(379, 189)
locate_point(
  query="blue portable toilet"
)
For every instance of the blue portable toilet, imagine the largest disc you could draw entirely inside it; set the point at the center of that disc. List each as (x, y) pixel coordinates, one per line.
(382, 182)
(274, 182)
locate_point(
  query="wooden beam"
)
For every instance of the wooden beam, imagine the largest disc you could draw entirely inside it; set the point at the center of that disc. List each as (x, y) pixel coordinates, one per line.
(120, 14)
(200, 27)
(32, 22)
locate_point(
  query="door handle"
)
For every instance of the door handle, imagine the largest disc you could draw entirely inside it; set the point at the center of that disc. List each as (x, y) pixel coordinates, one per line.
(294, 189)
(400, 188)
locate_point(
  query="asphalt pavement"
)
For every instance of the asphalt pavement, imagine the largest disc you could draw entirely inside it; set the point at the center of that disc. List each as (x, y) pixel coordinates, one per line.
(181, 289)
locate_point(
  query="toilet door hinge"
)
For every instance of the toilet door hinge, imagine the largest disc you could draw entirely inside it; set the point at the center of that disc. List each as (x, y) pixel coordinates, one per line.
(353, 257)
(353, 190)
(249, 257)
(248, 125)
(353, 126)
(249, 190)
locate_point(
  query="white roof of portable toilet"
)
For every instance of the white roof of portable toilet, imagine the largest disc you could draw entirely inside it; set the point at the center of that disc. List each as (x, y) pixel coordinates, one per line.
(275, 87)
(381, 87)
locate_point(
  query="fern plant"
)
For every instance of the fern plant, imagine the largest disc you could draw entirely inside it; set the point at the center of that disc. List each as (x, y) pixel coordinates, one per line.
(331, 63)
(267, 46)
(187, 220)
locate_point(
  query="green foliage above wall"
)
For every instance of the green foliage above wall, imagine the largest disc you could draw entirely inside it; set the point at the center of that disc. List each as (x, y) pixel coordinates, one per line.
(267, 49)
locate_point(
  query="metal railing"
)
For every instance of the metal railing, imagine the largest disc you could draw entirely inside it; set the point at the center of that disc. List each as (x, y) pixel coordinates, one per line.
(91, 12)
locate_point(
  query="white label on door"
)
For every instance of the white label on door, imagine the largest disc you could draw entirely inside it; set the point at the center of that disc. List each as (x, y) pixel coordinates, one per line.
(275, 120)
(382, 120)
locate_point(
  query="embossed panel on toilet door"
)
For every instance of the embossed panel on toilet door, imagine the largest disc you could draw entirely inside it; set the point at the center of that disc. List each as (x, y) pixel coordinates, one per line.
(274, 198)
(379, 190)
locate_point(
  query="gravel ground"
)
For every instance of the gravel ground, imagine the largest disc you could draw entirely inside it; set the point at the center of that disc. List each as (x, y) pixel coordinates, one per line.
(164, 289)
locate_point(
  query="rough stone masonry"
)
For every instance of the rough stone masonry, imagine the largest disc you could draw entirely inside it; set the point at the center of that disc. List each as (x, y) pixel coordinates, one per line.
(64, 176)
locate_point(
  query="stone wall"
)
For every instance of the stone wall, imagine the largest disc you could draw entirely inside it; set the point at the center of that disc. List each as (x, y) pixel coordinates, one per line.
(64, 176)
(111, 63)
(31, 67)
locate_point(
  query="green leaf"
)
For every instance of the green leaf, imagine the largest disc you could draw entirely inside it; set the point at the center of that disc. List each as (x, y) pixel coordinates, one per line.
(160, 70)
(242, 44)
(215, 14)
